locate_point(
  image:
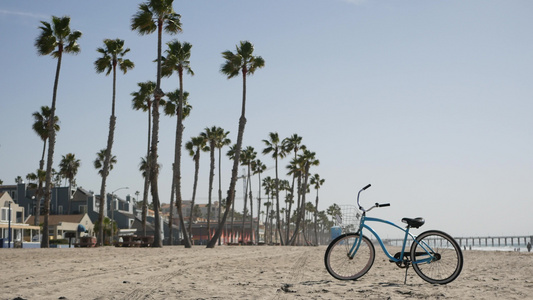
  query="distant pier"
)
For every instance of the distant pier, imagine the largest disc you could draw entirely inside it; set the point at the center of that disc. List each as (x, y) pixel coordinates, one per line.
(494, 240)
(487, 241)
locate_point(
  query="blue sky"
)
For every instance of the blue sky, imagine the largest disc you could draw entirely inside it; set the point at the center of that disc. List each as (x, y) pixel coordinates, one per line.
(430, 101)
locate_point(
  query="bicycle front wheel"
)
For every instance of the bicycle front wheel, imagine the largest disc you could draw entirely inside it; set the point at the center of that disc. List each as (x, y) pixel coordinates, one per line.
(436, 257)
(339, 262)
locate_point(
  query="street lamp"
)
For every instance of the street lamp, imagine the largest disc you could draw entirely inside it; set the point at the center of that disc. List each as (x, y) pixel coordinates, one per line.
(9, 226)
(113, 209)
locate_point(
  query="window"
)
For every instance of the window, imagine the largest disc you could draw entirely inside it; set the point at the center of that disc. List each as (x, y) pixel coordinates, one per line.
(4, 213)
(60, 209)
(83, 209)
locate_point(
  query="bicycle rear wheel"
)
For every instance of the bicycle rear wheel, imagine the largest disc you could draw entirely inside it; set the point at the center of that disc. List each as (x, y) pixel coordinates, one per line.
(447, 261)
(337, 258)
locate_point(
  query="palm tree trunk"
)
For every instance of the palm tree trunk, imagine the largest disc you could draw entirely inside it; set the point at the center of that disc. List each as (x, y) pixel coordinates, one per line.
(195, 184)
(298, 209)
(50, 161)
(258, 208)
(105, 169)
(154, 170)
(315, 217)
(232, 219)
(220, 190)
(39, 192)
(278, 220)
(147, 172)
(211, 177)
(171, 212)
(177, 162)
(235, 169)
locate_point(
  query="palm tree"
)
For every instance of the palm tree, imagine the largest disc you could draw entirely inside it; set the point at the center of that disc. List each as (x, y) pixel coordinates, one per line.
(317, 182)
(156, 15)
(68, 168)
(142, 100)
(231, 155)
(241, 62)
(306, 160)
(268, 185)
(273, 146)
(31, 177)
(40, 126)
(310, 209)
(247, 157)
(171, 109)
(54, 39)
(112, 56)
(291, 143)
(258, 167)
(221, 140)
(177, 59)
(99, 162)
(195, 146)
(144, 166)
(211, 136)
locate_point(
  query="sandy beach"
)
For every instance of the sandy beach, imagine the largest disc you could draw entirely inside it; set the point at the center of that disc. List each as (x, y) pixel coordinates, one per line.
(243, 272)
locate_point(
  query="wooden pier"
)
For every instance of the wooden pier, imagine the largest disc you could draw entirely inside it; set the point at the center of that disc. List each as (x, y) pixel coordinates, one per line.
(494, 240)
(484, 241)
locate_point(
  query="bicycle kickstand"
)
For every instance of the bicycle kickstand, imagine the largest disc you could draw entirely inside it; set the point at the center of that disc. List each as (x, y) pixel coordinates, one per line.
(406, 268)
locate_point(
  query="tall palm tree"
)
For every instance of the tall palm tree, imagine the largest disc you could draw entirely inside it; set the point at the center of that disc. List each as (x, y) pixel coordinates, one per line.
(268, 185)
(289, 144)
(195, 146)
(99, 162)
(177, 60)
(54, 39)
(317, 182)
(68, 168)
(113, 54)
(273, 145)
(231, 155)
(220, 141)
(171, 109)
(241, 62)
(258, 168)
(142, 100)
(306, 160)
(156, 15)
(40, 126)
(247, 157)
(31, 177)
(211, 135)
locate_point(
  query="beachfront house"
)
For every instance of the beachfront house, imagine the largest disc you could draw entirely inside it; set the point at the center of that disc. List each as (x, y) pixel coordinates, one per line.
(63, 200)
(13, 230)
(67, 226)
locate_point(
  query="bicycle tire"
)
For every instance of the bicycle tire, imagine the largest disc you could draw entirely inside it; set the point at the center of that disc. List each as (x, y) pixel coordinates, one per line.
(340, 265)
(449, 258)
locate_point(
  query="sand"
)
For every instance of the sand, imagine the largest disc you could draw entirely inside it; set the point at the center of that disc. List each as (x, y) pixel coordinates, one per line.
(243, 272)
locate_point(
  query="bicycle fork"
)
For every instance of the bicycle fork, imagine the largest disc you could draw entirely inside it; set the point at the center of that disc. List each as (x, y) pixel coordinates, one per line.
(355, 246)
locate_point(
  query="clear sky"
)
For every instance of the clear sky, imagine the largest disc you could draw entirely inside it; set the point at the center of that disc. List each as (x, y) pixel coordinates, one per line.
(430, 101)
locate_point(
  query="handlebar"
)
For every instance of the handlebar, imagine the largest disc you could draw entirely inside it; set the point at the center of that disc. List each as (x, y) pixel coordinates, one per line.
(375, 205)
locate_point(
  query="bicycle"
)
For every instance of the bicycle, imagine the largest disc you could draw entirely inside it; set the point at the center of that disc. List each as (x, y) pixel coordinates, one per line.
(434, 255)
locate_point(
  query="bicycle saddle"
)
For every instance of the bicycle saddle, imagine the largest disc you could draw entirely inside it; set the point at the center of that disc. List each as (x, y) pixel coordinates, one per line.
(415, 223)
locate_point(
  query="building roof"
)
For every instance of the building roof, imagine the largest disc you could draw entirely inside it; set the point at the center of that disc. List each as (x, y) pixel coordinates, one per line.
(57, 219)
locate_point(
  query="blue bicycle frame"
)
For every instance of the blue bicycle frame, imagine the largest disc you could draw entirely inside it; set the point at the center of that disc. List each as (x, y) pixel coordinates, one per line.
(424, 246)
